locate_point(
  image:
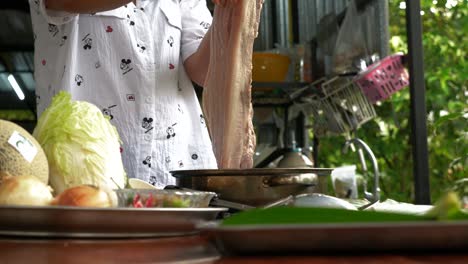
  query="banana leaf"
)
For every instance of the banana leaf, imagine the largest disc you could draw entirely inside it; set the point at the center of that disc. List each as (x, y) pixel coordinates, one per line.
(446, 209)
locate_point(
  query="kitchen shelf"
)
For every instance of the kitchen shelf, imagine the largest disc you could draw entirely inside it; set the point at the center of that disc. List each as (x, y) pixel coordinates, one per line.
(279, 85)
(280, 94)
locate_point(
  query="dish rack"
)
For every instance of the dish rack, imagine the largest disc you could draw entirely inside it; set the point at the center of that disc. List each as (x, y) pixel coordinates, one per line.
(340, 107)
(383, 78)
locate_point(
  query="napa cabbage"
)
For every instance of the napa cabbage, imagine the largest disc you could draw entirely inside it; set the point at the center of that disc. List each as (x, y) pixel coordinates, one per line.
(81, 145)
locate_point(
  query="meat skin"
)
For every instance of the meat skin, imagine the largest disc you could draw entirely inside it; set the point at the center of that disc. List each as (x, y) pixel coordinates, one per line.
(227, 91)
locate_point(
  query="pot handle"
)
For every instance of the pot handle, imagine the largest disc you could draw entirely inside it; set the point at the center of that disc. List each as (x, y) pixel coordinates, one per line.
(308, 179)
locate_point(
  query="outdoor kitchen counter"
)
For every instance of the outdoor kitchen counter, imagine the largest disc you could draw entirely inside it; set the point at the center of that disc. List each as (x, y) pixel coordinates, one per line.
(187, 249)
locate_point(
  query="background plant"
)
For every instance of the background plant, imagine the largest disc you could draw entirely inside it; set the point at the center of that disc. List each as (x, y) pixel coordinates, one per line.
(445, 25)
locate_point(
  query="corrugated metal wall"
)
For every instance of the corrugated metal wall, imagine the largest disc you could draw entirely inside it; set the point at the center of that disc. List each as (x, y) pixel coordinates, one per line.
(265, 39)
(276, 22)
(311, 11)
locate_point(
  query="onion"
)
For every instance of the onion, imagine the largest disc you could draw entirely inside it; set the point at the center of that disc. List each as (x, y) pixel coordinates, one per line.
(24, 190)
(86, 196)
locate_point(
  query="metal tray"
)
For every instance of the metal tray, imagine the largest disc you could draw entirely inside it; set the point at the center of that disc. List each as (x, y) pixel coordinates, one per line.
(61, 221)
(334, 238)
(252, 172)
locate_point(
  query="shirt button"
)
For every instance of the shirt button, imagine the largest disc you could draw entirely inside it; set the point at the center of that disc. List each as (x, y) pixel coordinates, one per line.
(147, 137)
(149, 100)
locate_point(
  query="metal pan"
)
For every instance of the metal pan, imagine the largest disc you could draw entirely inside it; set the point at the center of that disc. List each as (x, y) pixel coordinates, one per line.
(255, 187)
(252, 172)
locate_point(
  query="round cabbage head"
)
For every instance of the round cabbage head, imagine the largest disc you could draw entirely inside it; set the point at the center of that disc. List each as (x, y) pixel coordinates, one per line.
(81, 145)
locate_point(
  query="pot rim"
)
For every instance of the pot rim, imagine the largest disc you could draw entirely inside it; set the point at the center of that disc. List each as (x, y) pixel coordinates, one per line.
(251, 172)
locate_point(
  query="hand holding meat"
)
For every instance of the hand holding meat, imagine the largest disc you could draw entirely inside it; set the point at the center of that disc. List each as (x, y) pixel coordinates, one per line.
(229, 78)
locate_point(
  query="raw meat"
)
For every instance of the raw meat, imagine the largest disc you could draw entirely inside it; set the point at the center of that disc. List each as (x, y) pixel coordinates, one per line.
(227, 90)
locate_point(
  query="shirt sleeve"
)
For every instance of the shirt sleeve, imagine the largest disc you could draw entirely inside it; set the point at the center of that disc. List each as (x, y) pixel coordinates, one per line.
(55, 17)
(196, 20)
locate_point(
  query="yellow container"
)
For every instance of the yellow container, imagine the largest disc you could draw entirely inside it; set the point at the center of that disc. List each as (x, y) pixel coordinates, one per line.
(269, 67)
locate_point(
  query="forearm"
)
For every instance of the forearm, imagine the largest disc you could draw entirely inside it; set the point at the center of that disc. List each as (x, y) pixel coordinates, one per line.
(84, 6)
(197, 64)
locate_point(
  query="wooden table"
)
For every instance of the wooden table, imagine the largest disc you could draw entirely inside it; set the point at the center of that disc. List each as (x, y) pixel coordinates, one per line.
(187, 249)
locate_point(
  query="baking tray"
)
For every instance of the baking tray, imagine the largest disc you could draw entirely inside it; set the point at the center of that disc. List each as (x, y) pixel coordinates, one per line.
(334, 238)
(63, 221)
(252, 172)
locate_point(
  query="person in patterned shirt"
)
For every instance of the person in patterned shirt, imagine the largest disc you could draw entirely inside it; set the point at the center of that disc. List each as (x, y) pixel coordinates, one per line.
(135, 60)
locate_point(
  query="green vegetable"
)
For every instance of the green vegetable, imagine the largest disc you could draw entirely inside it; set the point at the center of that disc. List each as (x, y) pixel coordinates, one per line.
(304, 215)
(176, 202)
(81, 145)
(447, 208)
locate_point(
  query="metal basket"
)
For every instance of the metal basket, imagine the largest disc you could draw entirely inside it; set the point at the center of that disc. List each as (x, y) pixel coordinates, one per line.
(340, 108)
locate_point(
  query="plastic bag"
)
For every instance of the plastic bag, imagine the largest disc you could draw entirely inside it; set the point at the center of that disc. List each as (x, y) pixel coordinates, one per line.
(326, 40)
(344, 182)
(351, 47)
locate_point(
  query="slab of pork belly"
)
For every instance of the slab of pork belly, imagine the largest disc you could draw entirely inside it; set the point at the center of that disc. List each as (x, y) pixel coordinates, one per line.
(227, 90)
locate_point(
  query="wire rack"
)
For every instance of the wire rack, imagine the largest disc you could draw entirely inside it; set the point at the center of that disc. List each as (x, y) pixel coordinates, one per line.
(340, 107)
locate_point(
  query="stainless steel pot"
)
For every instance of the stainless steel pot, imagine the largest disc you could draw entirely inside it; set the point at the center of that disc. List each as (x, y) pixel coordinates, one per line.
(255, 187)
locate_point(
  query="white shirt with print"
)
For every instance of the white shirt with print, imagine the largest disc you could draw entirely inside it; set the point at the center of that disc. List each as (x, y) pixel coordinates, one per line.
(129, 63)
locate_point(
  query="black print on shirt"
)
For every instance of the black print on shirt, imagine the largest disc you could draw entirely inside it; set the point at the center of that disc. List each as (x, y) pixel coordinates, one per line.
(141, 48)
(205, 25)
(202, 119)
(125, 66)
(178, 87)
(63, 72)
(53, 29)
(147, 161)
(170, 41)
(63, 40)
(131, 97)
(36, 2)
(130, 21)
(147, 124)
(180, 109)
(87, 42)
(108, 111)
(152, 180)
(79, 80)
(170, 131)
(181, 164)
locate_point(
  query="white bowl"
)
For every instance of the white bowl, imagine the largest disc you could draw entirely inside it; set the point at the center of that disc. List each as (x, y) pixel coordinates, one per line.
(139, 184)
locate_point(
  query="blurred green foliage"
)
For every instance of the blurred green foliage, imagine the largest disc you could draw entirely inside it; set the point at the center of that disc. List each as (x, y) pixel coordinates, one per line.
(17, 115)
(445, 28)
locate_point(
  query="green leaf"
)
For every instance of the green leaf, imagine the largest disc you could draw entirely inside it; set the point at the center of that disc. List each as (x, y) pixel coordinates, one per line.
(303, 215)
(444, 119)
